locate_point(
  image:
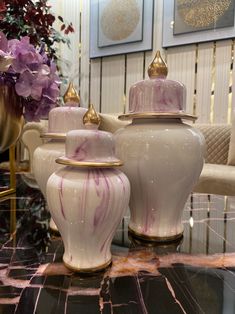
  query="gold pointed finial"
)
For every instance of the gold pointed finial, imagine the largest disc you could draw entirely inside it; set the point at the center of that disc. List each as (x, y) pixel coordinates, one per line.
(91, 117)
(71, 95)
(158, 67)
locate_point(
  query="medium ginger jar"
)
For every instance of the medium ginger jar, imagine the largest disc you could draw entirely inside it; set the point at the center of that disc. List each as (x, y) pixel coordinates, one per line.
(61, 120)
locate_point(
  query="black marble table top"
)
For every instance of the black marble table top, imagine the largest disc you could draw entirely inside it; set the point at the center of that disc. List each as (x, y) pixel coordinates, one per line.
(194, 275)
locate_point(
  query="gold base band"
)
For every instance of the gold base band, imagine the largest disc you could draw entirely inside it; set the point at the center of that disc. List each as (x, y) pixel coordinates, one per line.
(155, 239)
(88, 270)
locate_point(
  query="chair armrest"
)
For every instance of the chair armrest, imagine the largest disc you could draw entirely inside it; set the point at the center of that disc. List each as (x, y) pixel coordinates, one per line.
(30, 137)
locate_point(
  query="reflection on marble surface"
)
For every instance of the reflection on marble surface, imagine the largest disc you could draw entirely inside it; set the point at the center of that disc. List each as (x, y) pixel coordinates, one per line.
(194, 275)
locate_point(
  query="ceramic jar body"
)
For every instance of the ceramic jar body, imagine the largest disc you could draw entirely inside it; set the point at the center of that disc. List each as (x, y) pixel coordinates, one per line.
(87, 205)
(163, 160)
(44, 164)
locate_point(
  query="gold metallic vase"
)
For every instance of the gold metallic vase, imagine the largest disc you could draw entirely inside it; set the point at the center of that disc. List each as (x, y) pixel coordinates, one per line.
(11, 118)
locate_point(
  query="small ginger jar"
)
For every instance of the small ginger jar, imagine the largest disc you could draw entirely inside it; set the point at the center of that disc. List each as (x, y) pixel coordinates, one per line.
(61, 120)
(163, 156)
(88, 197)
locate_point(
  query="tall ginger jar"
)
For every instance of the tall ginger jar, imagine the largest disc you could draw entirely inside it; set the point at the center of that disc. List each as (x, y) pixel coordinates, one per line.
(163, 156)
(87, 198)
(61, 120)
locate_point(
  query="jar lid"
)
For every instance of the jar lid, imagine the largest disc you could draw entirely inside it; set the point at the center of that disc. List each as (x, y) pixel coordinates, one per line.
(157, 97)
(65, 118)
(90, 147)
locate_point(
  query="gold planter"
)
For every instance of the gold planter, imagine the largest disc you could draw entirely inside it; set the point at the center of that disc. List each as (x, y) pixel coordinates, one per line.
(11, 118)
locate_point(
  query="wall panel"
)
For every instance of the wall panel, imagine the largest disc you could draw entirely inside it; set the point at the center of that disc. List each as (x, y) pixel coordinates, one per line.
(181, 66)
(85, 69)
(232, 94)
(70, 55)
(222, 78)
(204, 81)
(134, 72)
(95, 82)
(113, 79)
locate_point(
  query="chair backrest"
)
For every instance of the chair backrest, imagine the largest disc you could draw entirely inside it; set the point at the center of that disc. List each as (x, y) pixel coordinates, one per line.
(217, 138)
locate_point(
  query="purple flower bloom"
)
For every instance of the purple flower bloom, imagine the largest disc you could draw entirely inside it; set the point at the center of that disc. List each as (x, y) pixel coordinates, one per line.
(3, 42)
(32, 73)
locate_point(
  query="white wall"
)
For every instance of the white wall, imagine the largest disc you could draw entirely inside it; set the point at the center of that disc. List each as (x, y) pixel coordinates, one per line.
(105, 81)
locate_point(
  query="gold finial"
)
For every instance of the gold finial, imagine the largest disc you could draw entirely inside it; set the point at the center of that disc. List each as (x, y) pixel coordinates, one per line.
(71, 95)
(91, 117)
(158, 67)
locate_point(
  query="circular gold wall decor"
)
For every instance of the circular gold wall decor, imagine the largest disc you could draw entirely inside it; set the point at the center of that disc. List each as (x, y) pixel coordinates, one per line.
(201, 13)
(120, 18)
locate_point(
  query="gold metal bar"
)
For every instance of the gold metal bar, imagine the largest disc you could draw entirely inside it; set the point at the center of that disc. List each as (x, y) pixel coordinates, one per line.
(13, 220)
(12, 188)
(12, 167)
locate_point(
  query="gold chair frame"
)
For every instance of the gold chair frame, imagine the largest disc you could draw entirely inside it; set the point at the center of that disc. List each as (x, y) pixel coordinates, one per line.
(12, 187)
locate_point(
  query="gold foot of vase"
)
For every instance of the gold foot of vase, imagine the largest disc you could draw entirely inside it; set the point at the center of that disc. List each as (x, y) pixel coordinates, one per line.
(88, 270)
(155, 239)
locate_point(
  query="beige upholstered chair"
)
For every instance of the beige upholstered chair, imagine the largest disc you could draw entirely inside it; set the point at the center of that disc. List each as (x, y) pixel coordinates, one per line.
(218, 174)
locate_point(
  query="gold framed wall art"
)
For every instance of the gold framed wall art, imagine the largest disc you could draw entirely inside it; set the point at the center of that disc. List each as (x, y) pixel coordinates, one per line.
(120, 26)
(193, 21)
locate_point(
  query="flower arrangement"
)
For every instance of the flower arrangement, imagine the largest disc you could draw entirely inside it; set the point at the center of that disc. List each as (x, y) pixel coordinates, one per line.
(32, 74)
(20, 18)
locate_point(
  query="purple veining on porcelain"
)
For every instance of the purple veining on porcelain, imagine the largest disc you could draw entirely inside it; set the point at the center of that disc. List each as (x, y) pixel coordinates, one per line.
(81, 151)
(157, 95)
(90, 146)
(116, 201)
(104, 202)
(60, 189)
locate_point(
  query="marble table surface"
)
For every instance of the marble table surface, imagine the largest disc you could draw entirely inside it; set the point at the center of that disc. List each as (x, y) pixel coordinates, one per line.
(194, 275)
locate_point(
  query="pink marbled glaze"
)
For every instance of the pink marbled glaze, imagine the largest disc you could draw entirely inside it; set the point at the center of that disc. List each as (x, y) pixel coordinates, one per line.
(87, 206)
(157, 95)
(90, 146)
(63, 119)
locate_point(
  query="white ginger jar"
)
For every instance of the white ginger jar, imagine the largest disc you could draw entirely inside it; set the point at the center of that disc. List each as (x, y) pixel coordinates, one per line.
(61, 120)
(87, 199)
(163, 157)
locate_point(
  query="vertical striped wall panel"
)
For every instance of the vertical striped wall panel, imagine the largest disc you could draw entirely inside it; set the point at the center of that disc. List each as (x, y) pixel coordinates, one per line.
(113, 79)
(222, 77)
(232, 111)
(85, 69)
(134, 72)
(95, 83)
(181, 67)
(204, 82)
(70, 56)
